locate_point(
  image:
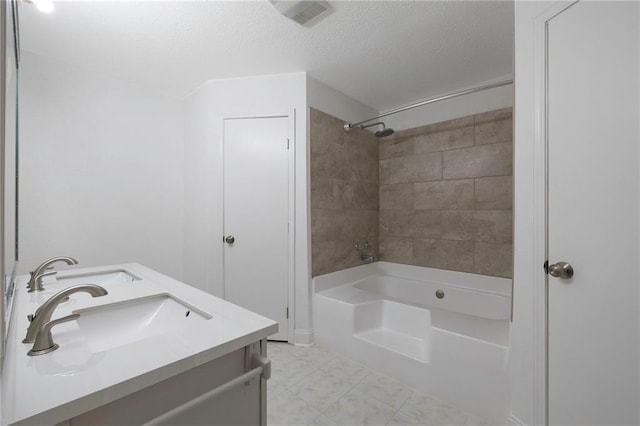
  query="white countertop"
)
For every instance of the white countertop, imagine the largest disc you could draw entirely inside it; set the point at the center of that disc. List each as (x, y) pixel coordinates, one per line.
(51, 388)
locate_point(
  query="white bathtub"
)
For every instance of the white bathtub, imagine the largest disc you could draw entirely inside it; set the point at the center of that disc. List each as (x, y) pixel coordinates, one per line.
(390, 318)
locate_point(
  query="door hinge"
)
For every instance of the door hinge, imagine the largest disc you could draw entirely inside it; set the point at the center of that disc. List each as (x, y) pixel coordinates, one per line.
(287, 143)
(287, 313)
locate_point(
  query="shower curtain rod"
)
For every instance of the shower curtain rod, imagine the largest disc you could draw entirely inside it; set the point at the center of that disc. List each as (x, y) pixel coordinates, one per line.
(348, 126)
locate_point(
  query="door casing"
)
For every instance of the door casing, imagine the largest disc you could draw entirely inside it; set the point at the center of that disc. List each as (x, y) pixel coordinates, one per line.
(536, 185)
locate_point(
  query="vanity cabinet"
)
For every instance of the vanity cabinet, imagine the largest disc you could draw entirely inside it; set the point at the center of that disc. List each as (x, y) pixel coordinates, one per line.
(169, 402)
(151, 351)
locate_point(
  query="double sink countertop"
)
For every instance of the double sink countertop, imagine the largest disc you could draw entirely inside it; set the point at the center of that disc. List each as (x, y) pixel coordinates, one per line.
(89, 371)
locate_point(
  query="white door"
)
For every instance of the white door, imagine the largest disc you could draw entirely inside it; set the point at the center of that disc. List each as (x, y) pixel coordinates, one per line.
(256, 216)
(594, 138)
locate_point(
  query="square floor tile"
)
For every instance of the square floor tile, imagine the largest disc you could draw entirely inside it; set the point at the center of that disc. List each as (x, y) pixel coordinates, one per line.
(430, 411)
(288, 409)
(321, 389)
(383, 389)
(354, 409)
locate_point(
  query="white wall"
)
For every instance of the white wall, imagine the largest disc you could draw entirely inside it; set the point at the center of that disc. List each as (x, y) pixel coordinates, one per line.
(330, 101)
(101, 169)
(204, 111)
(462, 106)
(200, 177)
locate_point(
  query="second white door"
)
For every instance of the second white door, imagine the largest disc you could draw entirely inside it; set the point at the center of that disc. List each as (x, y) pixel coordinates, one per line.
(593, 86)
(256, 216)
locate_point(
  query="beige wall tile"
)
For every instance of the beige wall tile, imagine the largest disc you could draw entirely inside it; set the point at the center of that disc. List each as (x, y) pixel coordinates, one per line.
(416, 168)
(327, 223)
(435, 127)
(383, 224)
(394, 147)
(331, 256)
(356, 195)
(494, 193)
(448, 135)
(478, 161)
(458, 225)
(494, 259)
(474, 199)
(494, 127)
(384, 172)
(426, 224)
(361, 223)
(360, 160)
(411, 223)
(344, 255)
(493, 226)
(362, 141)
(396, 250)
(452, 255)
(444, 195)
(328, 164)
(495, 115)
(345, 193)
(322, 195)
(396, 197)
(321, 257)
(428, 196)
(334, 225)
(324, 132)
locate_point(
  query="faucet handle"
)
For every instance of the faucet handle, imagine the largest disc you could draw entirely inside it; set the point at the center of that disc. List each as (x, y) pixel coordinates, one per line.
(44, 341)
(32, 278)
(37, 281)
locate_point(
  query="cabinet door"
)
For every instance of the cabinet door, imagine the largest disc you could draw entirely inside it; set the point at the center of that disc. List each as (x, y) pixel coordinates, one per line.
(240, 405)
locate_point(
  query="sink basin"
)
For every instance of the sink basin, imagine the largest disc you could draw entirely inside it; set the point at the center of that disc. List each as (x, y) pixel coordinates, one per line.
(102, 278)
(118, 324)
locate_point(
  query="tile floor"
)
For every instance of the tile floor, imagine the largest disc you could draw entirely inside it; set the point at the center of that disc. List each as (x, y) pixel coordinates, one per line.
(314, 386)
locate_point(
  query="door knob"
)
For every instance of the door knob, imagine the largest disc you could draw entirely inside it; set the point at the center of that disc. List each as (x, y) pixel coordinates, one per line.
(561, 270)
(230, 239)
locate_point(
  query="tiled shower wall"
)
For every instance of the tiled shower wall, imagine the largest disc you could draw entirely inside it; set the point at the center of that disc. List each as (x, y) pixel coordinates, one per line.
(443, 198)
(344, 193)
(446, 195)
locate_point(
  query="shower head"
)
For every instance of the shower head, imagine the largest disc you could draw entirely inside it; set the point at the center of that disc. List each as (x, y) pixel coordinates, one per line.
(386, 131)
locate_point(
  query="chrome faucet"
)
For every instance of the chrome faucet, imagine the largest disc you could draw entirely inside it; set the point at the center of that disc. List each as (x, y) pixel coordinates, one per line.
(39, 331)
(35, 282)
(367, 258)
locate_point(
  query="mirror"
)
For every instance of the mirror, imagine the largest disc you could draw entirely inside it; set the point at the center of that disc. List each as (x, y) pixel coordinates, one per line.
(11, 58)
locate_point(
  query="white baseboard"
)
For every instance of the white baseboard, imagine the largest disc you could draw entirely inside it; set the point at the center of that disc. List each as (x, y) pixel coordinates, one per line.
(303, 337)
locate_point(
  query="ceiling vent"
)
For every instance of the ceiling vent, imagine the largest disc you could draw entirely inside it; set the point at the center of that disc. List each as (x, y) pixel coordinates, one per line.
(304, 12)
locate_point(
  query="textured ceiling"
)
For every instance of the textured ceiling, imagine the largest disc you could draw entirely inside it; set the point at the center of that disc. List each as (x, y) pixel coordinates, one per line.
(384, 54)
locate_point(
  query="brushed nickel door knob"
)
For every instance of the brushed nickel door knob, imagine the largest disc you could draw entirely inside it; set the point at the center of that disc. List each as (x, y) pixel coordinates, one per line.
(229, 239)
(561, 270)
